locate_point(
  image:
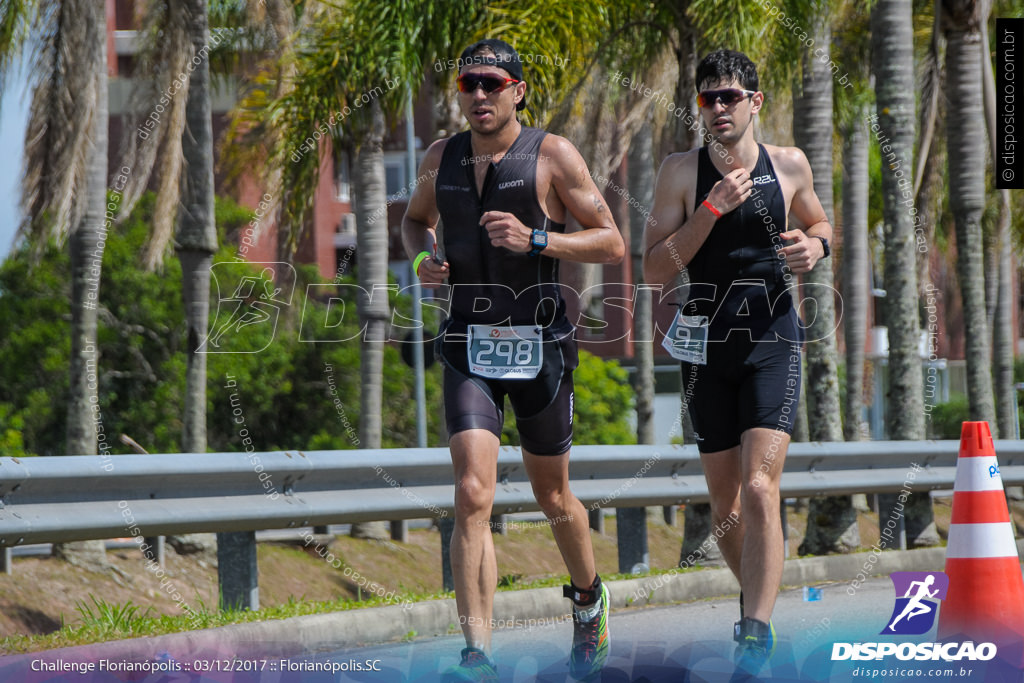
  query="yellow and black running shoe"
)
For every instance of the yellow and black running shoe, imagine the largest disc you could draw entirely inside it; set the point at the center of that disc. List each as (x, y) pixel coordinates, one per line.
(756, 644)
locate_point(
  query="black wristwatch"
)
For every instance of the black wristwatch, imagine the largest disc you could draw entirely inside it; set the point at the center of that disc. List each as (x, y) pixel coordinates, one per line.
(824, 244)
(539, 242)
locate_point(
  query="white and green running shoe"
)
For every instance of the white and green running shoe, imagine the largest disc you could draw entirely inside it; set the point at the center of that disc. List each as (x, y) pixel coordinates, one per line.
(589, 640)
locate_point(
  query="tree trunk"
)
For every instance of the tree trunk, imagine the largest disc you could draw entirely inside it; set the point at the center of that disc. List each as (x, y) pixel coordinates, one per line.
(1002, 332)
(697, 526)
(641, 187)
(196, 241)
(857, 289)
(831, 521)
(197, 234)
(966, 159)
(1002, 324)
(370, 197)
(893, 66)
(893, 126)
(683, 135)
(801, 432)
(86, 244)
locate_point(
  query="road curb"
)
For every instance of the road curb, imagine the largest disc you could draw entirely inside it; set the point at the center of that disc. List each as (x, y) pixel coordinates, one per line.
(524, 608)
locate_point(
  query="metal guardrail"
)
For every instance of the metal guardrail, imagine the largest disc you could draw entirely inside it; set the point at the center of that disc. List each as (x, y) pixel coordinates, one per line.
(73, 498)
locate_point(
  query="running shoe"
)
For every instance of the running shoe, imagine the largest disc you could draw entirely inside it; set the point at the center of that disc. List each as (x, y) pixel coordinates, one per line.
(756, 644)
(589, 641)
(475, 667)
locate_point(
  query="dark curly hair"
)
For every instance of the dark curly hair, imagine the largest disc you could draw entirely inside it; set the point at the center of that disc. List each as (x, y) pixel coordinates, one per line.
(724, 65)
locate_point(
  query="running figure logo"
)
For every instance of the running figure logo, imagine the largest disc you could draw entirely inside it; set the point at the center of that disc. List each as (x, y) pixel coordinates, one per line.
(914, 613)
(249, 315)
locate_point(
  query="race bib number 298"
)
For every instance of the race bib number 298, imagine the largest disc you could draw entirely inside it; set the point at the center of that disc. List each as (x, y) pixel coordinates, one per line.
(504, 352)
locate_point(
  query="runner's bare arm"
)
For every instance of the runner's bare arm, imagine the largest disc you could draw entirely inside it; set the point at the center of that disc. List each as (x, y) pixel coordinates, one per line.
(806, 215)
(598, 240)
(419, 224)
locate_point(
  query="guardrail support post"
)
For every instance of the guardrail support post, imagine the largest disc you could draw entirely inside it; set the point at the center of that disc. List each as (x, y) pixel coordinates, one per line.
(631, 529)
(887, 512)
(785, 528)
(155, 551)
(596, 516)
(6, 561)
(237, 570)
(447, 527)
(669, 513)
(499, 525)
(400, 530)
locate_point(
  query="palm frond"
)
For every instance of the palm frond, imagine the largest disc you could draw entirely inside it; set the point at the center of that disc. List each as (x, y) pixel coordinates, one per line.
(16, 16)
(556, 41)
(57, 139)
(852, 49)
(155, 119)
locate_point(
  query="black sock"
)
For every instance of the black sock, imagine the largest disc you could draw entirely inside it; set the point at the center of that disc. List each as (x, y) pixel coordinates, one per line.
(583, 597)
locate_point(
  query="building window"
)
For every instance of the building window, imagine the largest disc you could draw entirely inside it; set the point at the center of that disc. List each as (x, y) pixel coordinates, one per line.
(394, 177)
(341, 176)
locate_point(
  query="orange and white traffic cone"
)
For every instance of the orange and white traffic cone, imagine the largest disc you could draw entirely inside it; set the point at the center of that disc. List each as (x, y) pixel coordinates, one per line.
(985, 600)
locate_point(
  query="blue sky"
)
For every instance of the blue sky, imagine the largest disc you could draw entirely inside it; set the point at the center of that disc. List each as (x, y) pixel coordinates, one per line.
(13, 118)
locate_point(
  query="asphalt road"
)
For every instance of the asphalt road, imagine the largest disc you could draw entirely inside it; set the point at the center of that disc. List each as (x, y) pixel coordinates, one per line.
(686, 642)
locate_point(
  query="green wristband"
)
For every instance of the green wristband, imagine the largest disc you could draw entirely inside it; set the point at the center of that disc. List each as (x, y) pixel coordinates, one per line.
(418, 260)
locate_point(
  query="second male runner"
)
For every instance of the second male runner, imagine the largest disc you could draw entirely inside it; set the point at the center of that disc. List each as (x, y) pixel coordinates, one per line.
(726, 212)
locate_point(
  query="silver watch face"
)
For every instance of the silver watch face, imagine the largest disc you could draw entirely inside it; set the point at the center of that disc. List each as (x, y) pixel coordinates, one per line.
(539, 239)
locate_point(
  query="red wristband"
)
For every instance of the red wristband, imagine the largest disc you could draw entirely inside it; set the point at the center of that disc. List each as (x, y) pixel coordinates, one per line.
(711, 208)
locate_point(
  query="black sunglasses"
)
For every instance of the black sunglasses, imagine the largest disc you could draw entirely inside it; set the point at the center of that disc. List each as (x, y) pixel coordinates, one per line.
(727, 96)
(489, 82)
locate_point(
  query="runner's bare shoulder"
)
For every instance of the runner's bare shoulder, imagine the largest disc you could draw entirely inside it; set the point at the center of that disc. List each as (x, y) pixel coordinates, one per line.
(789, 160)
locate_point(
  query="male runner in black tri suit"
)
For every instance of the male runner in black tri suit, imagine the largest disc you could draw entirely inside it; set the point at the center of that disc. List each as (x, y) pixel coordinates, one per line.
(503, 193)
(721, 211)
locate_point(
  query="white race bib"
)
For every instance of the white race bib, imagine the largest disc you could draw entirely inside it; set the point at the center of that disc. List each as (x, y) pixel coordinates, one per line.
(504, 352)
(687, 339)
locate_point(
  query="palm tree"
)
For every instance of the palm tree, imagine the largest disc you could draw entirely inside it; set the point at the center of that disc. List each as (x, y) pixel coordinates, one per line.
(641, 186)
(893, 68)
(856, 288)
(1002, 324)
(372, 272)
(961, 26)
(196, 236)
(173, 153)
(66, 149)
(831, 521)
(852, 49)
(894, 87)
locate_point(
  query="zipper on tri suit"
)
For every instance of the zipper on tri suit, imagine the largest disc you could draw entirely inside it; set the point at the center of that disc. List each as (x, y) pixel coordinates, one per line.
(483, 240)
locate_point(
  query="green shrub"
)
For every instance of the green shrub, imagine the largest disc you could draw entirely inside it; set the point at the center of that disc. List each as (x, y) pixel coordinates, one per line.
(946, 418)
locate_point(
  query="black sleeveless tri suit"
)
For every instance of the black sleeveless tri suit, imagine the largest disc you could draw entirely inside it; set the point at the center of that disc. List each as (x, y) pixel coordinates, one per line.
(739, 280)
(494, 286)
